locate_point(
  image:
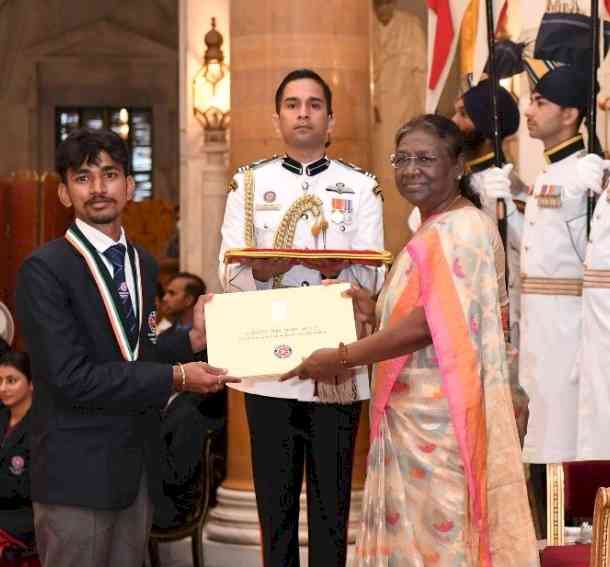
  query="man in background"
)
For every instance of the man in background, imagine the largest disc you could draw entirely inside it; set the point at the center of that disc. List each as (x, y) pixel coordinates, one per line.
(181, 293)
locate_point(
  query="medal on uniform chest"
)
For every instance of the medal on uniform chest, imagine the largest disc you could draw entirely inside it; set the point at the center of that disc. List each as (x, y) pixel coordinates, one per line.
(341, 211)
(549, 196)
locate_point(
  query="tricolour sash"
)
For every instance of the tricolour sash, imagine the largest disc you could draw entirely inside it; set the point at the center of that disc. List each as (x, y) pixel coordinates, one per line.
(105, 285)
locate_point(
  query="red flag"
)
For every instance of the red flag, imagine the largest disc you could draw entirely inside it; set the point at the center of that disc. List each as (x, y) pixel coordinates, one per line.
(444, 21)
(442, 39)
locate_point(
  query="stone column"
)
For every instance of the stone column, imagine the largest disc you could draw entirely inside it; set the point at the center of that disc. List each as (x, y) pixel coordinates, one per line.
(526, 16)
(399, 73)
(203, 164)
(267, 41)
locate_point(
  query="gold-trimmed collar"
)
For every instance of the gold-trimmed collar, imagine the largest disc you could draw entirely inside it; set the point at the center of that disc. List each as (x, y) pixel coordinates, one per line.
(480, 163)
(564, 149)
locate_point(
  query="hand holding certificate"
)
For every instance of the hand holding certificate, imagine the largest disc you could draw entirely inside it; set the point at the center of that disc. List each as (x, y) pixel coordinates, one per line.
(263, 334)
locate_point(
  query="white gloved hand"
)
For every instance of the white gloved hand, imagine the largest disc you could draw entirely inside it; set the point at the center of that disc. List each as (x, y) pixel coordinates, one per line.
(590, 175)
(495, 183)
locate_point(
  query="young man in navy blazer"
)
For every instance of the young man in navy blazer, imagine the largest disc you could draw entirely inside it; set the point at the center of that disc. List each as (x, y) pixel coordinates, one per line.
(86, 306)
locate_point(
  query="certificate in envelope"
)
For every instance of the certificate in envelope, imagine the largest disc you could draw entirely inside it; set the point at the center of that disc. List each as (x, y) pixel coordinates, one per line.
(262, 334)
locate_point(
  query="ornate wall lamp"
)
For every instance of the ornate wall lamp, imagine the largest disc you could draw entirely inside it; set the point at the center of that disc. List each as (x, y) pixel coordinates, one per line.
(211, 97)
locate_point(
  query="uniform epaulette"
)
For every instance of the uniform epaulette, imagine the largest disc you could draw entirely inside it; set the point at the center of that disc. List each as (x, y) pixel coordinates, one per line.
(356, 168)
(378, 191)
(257, 163)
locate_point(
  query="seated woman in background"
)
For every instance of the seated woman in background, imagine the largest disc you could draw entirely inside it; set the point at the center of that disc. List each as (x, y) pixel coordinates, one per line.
(16, 519)
(444, 484)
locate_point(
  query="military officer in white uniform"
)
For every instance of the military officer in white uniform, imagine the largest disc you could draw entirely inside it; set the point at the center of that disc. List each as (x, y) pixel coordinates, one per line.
(594, 395)
(330, 205)
(552, 255)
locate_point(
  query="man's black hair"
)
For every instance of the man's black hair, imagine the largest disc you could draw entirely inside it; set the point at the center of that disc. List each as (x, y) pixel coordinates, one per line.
(304, 74)
(85, 145)
(194, 285)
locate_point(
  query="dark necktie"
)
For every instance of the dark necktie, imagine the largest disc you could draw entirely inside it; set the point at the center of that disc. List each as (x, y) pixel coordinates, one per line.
(116, 256)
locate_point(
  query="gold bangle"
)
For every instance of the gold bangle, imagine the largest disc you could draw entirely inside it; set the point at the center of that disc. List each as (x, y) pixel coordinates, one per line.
(343, 355)
(182, 376)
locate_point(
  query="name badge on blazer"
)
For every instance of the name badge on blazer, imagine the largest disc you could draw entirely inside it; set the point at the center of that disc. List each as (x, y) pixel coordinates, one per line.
(17, 465)
(152, 327)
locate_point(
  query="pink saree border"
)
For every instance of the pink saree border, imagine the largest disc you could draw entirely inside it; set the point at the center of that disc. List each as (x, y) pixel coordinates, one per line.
(459, 367)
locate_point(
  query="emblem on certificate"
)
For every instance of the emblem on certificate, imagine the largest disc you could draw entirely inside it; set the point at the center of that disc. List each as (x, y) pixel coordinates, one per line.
(282, 351)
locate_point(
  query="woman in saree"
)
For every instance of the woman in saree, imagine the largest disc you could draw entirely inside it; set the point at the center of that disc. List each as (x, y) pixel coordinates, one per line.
(445, 484)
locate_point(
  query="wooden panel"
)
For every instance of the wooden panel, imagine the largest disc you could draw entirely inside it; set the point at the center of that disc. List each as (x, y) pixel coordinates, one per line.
(24, 207)
(4, 241)
(55, 217)
(150, 224)
(24, 221)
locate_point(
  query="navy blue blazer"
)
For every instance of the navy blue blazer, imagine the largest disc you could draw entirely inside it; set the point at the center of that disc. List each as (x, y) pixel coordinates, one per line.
(95, 417)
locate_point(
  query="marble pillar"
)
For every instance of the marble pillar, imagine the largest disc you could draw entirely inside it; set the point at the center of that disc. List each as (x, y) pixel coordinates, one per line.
(530, 161)
(399, 88)
(267, 41)
(203, 163)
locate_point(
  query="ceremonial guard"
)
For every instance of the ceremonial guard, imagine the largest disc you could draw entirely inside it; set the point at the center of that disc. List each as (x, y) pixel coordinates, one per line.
(302, 200)
(552, 255)
(593, 410)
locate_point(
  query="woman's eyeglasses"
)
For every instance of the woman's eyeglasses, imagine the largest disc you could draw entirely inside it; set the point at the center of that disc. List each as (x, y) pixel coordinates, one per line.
(401, 161)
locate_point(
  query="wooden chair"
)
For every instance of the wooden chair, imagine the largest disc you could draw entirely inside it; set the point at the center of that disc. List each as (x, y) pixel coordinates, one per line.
(578, 496)
(600, 546)
(193, 528)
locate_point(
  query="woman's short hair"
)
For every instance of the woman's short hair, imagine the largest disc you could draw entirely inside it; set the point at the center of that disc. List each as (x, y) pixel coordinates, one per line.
(441, 127)
(18, 360)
